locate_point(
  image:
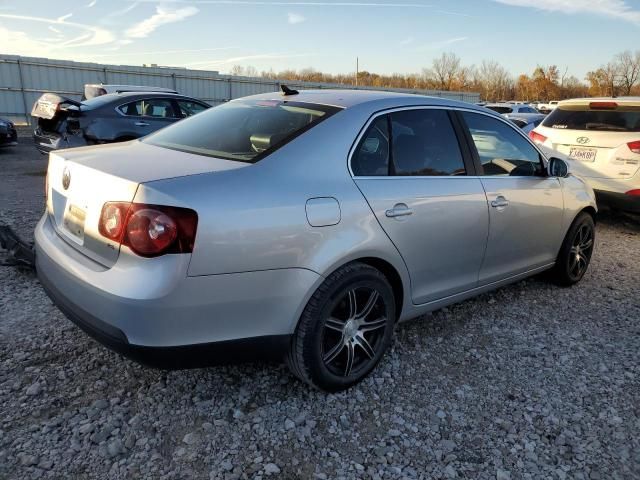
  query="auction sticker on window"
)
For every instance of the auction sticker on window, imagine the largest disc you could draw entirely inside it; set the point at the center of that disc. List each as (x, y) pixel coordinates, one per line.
(583, 154)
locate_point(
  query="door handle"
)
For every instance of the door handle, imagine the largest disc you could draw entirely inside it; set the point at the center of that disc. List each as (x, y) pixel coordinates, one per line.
(141, 124)
(400, 210)
(500, 202)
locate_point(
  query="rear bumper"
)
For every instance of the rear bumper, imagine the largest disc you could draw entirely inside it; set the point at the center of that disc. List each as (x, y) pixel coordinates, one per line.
(46, 142)
(620, 201)
(181, 322)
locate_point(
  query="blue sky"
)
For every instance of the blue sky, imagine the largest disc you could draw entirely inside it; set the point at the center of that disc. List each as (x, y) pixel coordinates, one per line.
(388, 35)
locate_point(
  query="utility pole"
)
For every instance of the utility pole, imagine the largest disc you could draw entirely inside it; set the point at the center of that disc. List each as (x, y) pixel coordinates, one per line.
(357, 69)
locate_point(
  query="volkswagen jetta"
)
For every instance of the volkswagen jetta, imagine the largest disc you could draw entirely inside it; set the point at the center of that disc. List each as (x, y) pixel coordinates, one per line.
(305, 225)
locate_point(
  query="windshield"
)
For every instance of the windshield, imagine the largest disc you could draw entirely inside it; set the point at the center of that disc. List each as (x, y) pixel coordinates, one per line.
(619, 120)
(246, 130)
(501, 109)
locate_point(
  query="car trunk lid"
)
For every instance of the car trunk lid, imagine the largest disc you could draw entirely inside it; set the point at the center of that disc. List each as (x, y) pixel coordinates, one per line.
(81, 180)
(603, 154)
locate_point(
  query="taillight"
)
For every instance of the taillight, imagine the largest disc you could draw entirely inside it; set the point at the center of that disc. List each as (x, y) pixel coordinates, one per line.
(634, 193)
(149, 230)
(603, 105)
(112, 220)
(634, 146)
(537, 137)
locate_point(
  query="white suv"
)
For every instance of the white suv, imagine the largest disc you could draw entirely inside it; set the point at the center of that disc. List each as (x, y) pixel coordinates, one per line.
(601, 137)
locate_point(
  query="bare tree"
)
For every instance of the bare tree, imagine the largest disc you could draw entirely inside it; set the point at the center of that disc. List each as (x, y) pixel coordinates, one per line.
(444, 70)
(493, 80)
(628, 70)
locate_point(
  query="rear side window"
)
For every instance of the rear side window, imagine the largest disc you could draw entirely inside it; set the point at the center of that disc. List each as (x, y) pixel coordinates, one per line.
(371, 158)
(244, 130)
(424, 143)
(502, 150)
(619, 120)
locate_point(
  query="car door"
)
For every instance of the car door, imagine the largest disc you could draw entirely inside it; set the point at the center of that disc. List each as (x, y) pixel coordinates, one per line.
(525, 205)
(418, 180)
(142, 117)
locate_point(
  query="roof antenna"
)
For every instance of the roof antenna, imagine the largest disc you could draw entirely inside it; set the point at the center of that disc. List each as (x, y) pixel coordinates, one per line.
(288, 91)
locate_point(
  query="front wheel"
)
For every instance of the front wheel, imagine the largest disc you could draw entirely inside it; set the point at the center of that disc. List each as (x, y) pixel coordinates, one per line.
(575, 253)
(344, 330)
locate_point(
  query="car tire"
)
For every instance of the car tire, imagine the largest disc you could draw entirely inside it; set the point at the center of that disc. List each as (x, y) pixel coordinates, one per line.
(344, 330)
(576, 251)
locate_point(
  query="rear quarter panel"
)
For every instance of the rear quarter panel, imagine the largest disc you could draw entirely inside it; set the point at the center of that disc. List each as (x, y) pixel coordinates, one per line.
(254, 218)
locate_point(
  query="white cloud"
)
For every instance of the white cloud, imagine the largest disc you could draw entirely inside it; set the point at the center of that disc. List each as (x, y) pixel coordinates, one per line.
(294, 18)
(92, 3)
(163, 16)
(407, 41)
(246, 58)
(618, 9)
(54, 30)
(90, 36)
(443, 43)
(64, 17)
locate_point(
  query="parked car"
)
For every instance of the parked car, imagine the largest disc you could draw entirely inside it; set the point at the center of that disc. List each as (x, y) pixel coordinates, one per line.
(510, 108)
(92, 90)
(602, 137)
(8, 133)
(547, 107)
(527, 122)
(305, 225)
(114, 117)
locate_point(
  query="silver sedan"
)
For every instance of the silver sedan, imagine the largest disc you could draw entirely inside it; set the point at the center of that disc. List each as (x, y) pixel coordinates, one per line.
(303, 226)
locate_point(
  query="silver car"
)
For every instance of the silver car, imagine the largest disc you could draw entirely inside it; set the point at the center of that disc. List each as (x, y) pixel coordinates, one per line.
(304, 226)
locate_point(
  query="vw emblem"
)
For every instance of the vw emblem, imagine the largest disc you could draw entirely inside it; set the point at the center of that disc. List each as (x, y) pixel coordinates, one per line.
(583, 140)
(66, 178)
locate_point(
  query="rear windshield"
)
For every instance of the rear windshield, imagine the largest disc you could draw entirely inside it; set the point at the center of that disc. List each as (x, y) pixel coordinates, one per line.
(501, 109)
(619, 120)
(245, 130)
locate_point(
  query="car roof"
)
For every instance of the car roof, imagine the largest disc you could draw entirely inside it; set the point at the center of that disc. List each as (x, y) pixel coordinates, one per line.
(629, 101)
(119, 97)
(503, 104)
(374, 98)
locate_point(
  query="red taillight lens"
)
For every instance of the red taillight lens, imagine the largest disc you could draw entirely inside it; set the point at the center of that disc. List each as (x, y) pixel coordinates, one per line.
(634, 146)
(149, 230)
(537, 137)
(112, 220)
(603, 105)
(634, 193)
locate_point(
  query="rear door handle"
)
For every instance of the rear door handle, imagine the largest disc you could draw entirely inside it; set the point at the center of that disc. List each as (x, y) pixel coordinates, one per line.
(141, 124)
(399, 210)
(500, 202)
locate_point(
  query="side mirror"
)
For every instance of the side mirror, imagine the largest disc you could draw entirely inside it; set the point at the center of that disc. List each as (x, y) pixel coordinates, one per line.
(557, 168)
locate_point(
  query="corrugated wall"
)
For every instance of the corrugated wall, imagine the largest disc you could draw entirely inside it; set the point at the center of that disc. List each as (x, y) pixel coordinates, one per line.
(24, 79)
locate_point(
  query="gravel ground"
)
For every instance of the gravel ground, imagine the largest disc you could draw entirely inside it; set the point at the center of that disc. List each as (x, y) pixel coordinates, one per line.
(530, 381)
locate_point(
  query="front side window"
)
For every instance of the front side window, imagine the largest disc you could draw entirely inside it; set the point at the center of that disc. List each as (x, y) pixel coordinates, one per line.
(424, 143)
(502, 150)
(244, 130)
(190, 108)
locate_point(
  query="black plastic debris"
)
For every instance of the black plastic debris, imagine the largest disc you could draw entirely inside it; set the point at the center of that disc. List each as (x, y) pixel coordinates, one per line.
(20, 253)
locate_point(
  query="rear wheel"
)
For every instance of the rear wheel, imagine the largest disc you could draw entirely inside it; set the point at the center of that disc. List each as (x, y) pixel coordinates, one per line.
(344, 330)
(575, 253)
